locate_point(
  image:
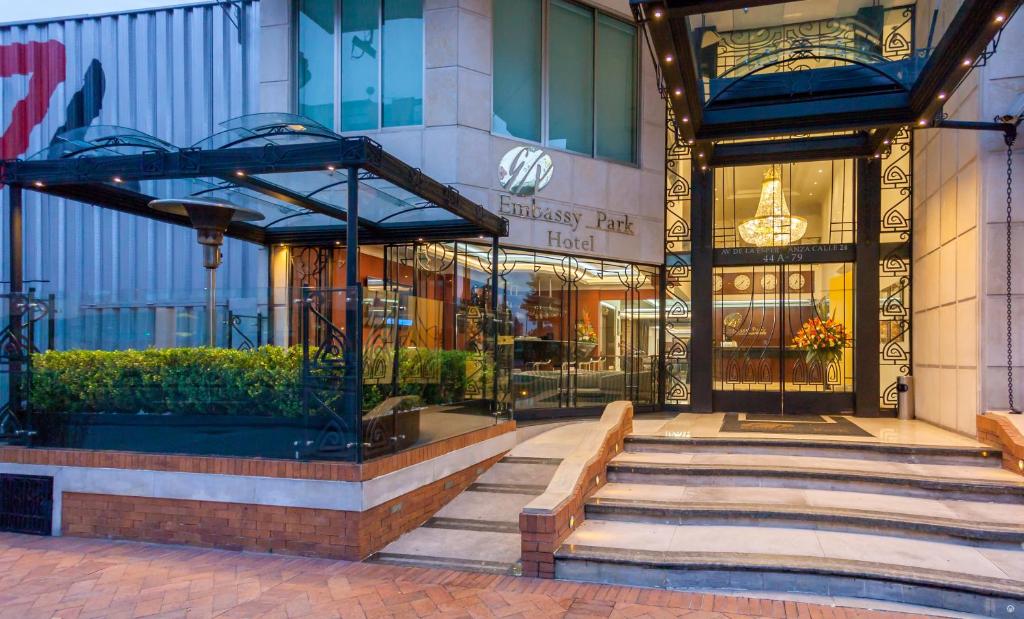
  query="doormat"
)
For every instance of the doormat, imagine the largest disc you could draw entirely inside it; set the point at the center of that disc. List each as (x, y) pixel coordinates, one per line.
(818, 425)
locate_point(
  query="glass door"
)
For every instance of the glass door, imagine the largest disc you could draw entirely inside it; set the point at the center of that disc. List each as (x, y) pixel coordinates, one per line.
(782, 338)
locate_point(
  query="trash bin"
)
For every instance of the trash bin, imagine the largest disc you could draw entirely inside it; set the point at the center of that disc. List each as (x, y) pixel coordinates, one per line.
(905, 397)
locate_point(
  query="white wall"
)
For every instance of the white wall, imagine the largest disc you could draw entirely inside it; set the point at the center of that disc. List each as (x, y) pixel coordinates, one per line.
(959, 312)
(455, 145)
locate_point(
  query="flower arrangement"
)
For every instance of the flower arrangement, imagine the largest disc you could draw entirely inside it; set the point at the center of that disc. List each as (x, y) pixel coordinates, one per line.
(822, 340)
(585, 330)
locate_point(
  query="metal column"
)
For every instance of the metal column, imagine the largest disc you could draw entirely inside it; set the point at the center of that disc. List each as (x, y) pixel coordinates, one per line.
(701, 357)
(866, 329)
(353, 398)
(494, 320)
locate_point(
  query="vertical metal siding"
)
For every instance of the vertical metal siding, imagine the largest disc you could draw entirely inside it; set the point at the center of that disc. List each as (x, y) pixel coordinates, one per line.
(174, 73)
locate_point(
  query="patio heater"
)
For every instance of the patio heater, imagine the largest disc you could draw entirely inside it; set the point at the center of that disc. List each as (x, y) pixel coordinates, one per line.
(210, 218)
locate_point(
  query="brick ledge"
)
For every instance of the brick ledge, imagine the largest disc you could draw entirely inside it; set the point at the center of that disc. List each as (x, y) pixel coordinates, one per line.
(255, 467)
(996, 430)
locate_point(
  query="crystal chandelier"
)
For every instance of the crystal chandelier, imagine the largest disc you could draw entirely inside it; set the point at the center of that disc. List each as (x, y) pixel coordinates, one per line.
(773, 224)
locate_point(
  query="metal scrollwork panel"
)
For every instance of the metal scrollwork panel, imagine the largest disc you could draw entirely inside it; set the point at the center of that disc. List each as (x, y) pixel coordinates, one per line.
(678, 275)
(894, 273)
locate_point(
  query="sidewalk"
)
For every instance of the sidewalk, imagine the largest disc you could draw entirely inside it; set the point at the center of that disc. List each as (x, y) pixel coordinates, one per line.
(69, 578)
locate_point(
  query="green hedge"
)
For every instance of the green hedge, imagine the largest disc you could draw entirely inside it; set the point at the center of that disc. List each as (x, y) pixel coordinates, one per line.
(215, 381)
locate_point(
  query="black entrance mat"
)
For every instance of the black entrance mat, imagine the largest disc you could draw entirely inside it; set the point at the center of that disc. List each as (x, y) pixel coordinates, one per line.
(819, 425)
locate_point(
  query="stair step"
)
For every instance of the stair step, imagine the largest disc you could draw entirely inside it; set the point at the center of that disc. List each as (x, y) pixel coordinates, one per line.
(918, 480)
(984, 581)
(808, 517)
(892, 452)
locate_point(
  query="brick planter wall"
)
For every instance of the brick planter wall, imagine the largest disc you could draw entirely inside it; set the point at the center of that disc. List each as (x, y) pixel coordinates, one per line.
(998, 431)
(547, 521)
(334, 510)
(307, 532)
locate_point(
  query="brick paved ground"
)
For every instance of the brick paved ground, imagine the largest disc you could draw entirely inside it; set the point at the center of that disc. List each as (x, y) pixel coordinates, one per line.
(69, 578)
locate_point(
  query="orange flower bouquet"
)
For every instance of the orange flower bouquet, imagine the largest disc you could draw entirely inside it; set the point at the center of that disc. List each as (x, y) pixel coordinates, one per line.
(822, 340)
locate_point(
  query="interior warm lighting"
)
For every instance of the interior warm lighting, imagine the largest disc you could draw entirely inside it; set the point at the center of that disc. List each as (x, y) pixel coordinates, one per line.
(686, 119)
(678, 91)
(297, 127)
(922, 122)
(38, 183)
(118, 179)
(968, 62)
(668, 58)
(657, 13)
(239, 173)
(942, 96)
(1000, 18)
(772, 224)
(331, 168)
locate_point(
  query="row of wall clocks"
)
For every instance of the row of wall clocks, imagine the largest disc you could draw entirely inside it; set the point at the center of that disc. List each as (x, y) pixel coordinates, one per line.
(742, 282)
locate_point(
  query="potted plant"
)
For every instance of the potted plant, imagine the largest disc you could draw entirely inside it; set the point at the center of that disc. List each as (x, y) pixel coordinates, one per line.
(823, 342)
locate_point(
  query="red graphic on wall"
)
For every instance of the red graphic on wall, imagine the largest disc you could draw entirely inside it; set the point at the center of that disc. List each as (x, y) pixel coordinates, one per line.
(45, 62)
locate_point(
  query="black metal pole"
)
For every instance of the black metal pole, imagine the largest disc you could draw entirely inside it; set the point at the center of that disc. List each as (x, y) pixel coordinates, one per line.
(353, 397)
(494, 319)
(15, 252)
(15, 304)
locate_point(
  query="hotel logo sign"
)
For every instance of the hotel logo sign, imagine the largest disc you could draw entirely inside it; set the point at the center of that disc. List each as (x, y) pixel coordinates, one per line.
(525, 170)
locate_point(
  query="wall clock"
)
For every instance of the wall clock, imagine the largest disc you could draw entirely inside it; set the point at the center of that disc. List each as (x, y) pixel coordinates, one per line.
(796, 281)
(742, 282)
(768, 282)
(716, 283)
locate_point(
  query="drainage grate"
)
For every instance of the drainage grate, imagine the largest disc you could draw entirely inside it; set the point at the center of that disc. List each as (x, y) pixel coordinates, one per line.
(26, 504)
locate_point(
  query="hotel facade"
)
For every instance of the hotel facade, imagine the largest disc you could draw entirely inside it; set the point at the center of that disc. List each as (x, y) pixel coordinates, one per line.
(559, 206)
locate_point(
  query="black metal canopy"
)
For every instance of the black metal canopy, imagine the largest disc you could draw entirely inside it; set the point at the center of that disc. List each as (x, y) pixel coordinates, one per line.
(831, 77)
(287, 167)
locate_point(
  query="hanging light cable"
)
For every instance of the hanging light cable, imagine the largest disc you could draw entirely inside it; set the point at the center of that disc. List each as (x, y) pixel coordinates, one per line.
(1010, 138)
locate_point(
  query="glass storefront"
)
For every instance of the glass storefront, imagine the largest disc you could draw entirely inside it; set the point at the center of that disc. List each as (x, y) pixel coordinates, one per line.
(761, 314)
(569, 332)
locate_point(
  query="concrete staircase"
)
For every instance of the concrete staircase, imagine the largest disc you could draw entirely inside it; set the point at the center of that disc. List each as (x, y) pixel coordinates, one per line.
(931, 526)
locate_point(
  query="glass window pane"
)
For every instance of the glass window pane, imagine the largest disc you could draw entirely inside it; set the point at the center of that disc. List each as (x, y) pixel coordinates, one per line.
(616, 89)
(402, 70)
(517, 68)
(360, 53)
(316, 60)
(571, 77)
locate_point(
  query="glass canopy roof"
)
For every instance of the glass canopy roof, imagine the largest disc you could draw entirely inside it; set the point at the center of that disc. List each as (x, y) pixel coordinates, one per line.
(288, 168)
(738, 69)
(751, 53)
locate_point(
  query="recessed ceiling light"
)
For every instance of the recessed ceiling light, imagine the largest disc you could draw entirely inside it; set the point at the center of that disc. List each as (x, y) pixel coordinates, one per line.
(668, 58)
(1000, 18)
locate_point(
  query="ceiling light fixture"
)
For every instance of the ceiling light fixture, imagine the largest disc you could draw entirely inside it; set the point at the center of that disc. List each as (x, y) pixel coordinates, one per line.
(772, 224)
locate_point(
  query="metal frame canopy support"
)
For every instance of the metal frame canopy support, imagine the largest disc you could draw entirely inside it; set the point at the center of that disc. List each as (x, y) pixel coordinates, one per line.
(872, 116)
(111, 181)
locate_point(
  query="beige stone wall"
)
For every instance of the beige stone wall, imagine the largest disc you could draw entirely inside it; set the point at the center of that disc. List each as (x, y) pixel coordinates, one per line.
(959, 280)
(455, 144)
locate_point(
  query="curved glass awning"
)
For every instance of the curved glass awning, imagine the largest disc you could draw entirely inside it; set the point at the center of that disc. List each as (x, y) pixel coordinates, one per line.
(292, 170)
(736, 69)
